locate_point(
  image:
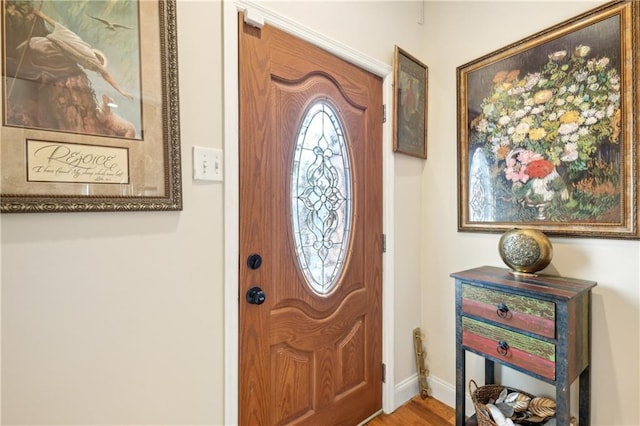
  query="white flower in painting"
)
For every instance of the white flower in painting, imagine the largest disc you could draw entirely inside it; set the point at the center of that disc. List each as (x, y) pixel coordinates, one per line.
(522, 128)
(567, 128)
(602, 63)
(558, 55)
(590, 116)
(488, 109)
(531, 80)
(541, 186)
(581, 51)
(482, 125)
(515, 91)
(614, 97)
(615, 83)
(570, 152)
(581, 76)
(504, 120)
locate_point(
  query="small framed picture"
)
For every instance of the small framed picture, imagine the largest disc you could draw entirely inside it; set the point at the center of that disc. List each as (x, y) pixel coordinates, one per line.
(410, 82)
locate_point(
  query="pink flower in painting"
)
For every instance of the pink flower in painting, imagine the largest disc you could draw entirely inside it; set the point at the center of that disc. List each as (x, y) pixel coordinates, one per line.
(516, 165)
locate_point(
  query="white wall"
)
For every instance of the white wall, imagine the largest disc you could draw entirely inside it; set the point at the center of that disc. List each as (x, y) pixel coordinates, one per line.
(458, 32)
(117, 318)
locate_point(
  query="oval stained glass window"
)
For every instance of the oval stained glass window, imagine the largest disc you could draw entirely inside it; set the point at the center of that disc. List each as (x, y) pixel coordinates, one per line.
(321, 201)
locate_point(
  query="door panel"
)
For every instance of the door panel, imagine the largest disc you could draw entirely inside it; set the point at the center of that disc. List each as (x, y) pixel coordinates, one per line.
(305, 357)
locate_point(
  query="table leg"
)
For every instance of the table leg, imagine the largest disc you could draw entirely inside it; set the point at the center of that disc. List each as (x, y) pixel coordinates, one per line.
(460, 386)
(489, 372)
(584, 399)
(563, 398)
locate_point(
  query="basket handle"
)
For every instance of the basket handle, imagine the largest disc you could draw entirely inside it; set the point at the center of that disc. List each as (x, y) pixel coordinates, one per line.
(472, 382)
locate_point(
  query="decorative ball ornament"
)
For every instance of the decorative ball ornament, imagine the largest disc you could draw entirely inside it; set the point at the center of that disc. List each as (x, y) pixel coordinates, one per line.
(525, 251)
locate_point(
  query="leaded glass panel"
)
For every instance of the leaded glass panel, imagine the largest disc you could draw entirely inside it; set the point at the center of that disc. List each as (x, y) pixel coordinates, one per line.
(321, 200)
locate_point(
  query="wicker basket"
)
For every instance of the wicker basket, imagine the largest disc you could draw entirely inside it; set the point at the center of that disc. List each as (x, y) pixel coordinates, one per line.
(481, 395)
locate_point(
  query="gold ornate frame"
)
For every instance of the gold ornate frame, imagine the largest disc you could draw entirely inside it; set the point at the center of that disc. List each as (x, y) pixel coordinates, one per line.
(548, 130)
(55, 169)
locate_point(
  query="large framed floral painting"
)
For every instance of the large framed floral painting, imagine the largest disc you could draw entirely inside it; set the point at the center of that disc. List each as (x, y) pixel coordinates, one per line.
(89, 106)
(548, 130)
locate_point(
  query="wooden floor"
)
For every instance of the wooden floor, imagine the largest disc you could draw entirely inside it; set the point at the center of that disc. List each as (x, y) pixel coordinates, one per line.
(418, 411)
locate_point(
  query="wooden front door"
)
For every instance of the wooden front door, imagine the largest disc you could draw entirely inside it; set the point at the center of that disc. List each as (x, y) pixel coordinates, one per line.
(310, 234)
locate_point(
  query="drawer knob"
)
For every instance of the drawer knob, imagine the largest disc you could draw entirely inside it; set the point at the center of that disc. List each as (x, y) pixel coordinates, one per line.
(502, 348)
(502, 311)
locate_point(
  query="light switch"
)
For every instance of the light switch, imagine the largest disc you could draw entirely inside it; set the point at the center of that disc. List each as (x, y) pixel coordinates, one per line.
(207, 164)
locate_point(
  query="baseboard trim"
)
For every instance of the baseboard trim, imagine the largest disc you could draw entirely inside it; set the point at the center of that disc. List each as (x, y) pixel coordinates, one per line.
(405, 390)
(440, 390)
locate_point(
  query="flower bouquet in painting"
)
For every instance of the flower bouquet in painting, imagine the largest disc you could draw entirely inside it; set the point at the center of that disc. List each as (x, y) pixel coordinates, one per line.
(549, 141)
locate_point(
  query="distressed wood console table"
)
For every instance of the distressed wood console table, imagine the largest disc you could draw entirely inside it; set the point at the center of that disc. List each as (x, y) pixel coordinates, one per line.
(539, 325)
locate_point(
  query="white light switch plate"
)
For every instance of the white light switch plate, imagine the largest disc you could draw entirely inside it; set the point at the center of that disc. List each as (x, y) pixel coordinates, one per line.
(207, 164)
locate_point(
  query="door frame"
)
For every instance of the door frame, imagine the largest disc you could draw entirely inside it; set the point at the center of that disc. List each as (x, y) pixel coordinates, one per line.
(258, 15)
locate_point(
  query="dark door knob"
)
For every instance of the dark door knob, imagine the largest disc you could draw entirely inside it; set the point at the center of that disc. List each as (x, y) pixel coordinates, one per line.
(256, 296)
(254, 261)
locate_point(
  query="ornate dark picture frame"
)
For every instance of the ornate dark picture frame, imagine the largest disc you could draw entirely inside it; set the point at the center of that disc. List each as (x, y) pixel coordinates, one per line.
(548, 130)
(410, 86)
(90, 106)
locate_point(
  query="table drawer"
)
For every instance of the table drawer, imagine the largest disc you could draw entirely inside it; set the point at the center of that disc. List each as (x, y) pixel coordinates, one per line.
(531, 354)
(522, 312)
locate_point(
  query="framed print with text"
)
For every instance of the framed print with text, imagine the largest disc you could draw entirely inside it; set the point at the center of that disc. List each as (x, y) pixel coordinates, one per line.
(90, 114)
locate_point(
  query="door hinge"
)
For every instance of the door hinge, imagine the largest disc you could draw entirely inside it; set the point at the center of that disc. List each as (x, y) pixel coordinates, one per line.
(384, 113)
(384, 373)
(384, 243)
